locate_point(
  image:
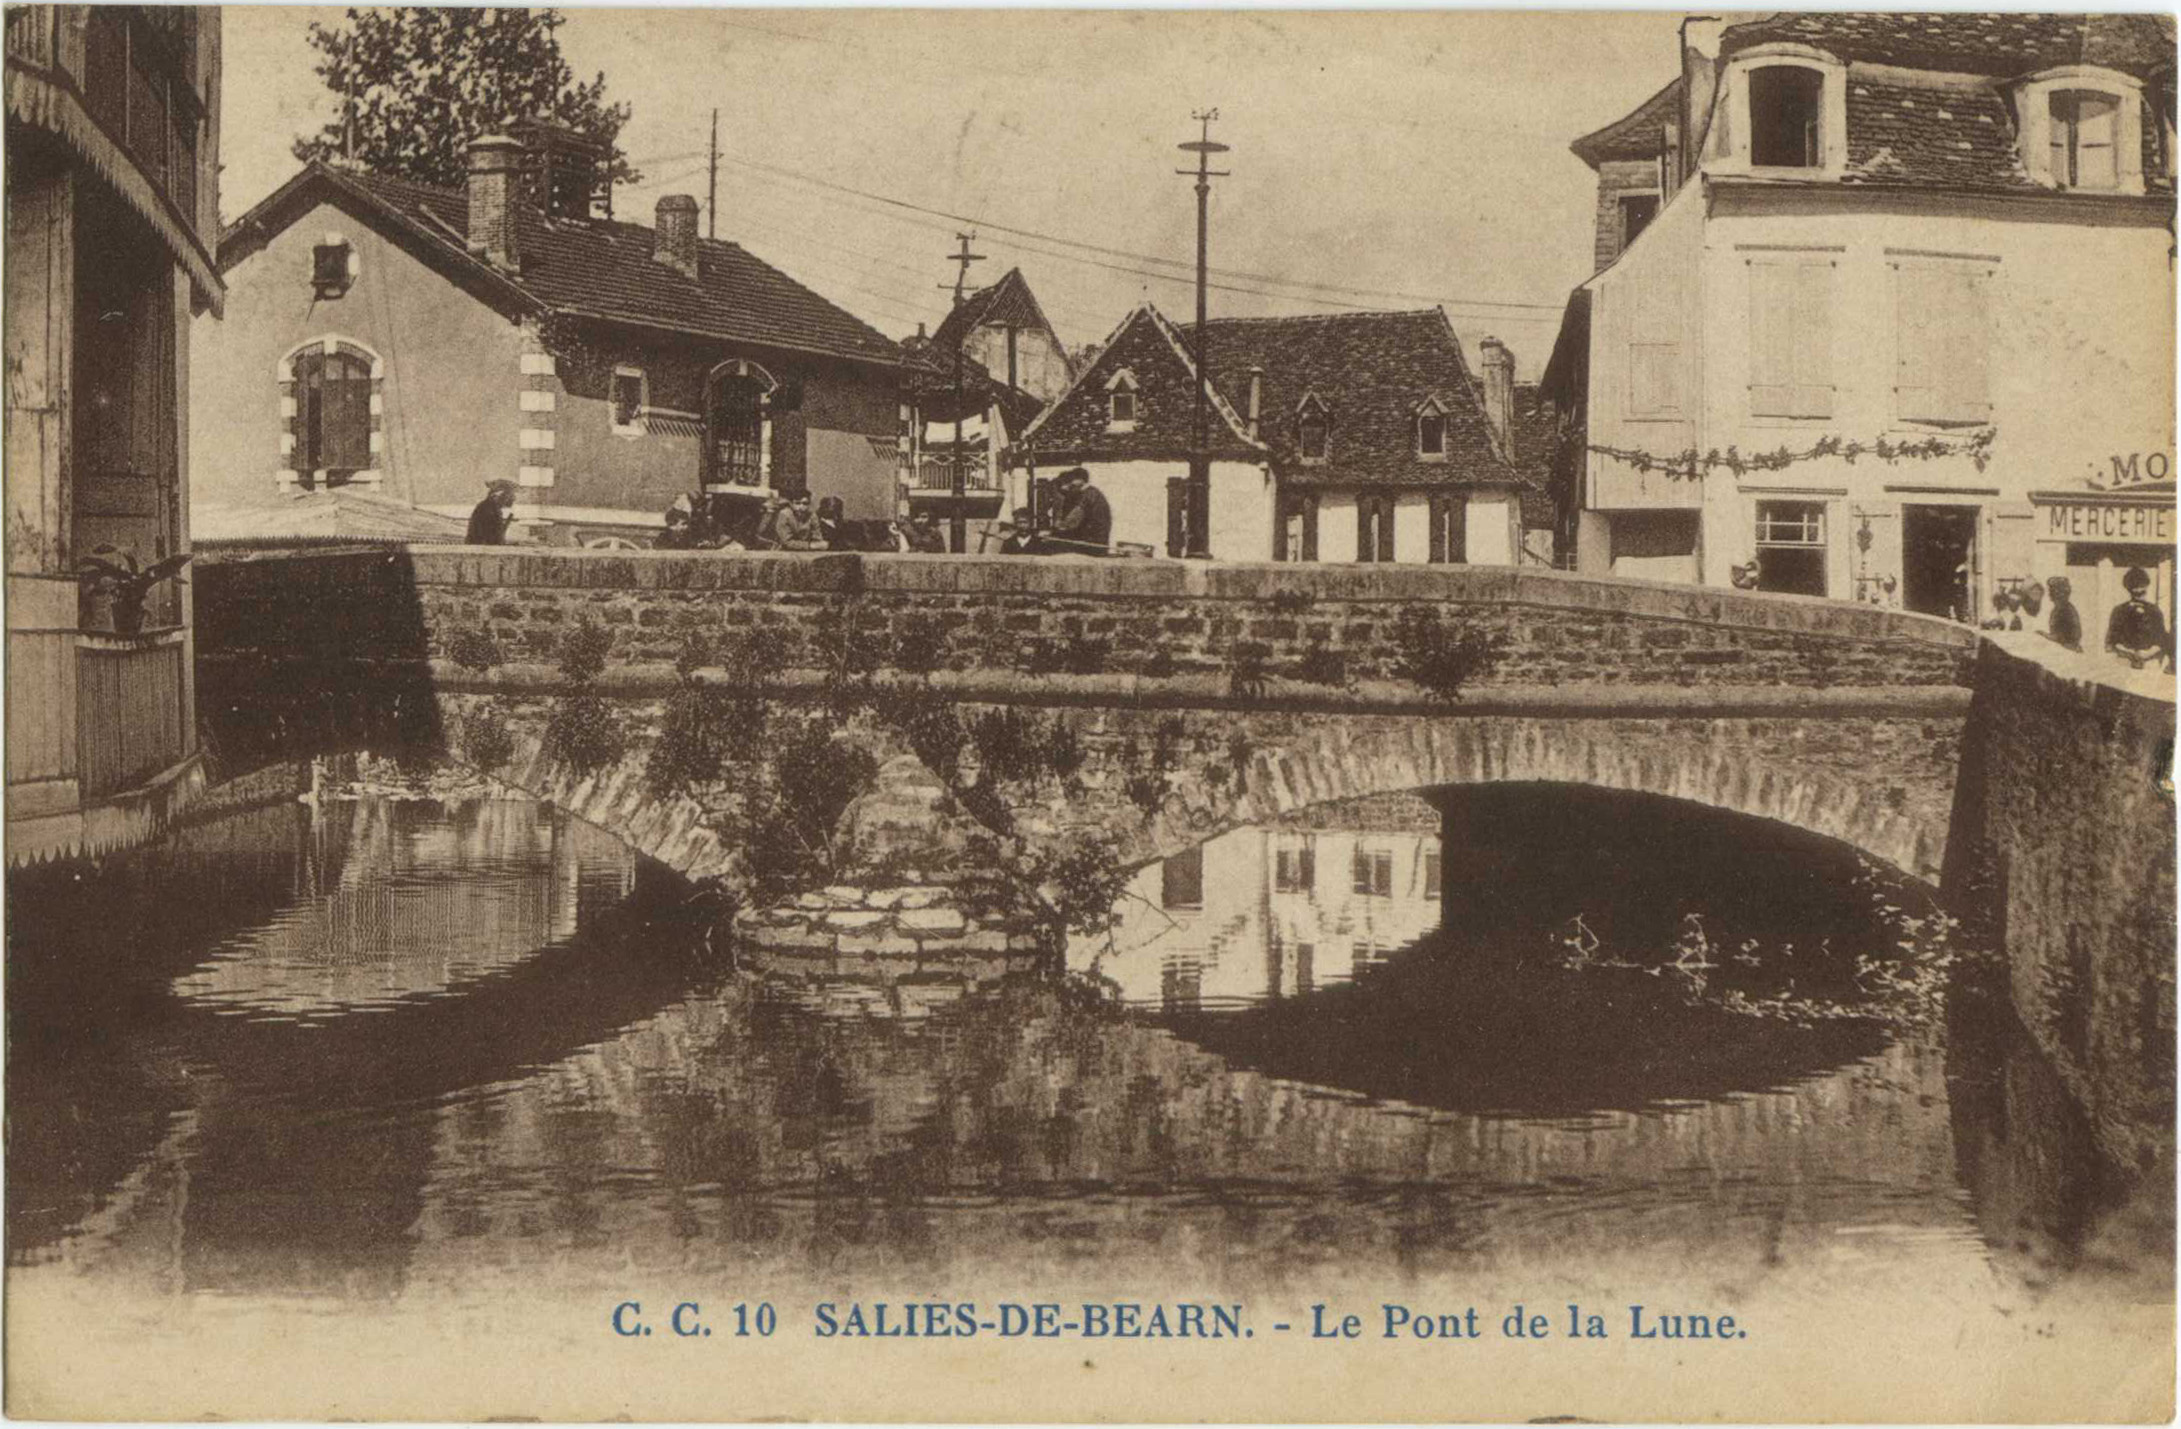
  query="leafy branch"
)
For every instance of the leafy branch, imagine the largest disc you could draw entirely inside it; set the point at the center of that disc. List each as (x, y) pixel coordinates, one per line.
(1692, 464)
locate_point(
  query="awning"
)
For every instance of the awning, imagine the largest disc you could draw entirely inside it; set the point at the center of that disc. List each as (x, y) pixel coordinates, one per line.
(37, 98)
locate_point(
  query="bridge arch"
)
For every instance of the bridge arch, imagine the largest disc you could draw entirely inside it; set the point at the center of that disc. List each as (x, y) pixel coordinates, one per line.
(1823, 781)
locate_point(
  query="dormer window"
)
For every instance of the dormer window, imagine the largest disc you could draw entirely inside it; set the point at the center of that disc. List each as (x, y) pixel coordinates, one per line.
(2084, 132)
(1121, 402)
(2082, 129)
(1783, 110)
(1431, 431)
(1313, 430)
(1786, 117)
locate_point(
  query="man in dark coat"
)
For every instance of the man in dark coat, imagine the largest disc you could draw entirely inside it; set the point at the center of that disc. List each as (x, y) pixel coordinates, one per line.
(2137, 629)
(1086, 519)
(490, 517)
(2065, 627)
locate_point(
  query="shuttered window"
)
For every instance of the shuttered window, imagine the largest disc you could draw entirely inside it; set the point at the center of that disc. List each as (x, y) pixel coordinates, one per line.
(333, 412)
(1791, 337)
(1942, 343)
(2085, 139)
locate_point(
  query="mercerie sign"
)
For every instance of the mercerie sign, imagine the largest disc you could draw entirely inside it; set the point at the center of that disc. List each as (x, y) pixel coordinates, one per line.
(2103, 519)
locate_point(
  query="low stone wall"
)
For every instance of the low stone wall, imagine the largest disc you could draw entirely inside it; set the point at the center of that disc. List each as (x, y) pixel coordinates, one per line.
(2064, 829)
(1082, 614)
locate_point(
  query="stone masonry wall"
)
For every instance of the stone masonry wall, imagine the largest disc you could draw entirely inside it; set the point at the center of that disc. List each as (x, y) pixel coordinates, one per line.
(2065, 824)
(1151, 619)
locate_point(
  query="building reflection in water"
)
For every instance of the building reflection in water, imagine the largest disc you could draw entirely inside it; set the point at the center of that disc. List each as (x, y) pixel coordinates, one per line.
(466, 1064)
(1275, 912)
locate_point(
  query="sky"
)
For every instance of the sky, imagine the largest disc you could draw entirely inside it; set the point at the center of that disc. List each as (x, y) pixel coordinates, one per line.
(1404, 158)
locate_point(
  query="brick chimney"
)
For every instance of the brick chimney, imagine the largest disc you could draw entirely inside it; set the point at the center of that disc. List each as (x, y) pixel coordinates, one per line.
(1257, 398)
(495, 162)
(1700, 36)
(1499, 391)
(676, 225)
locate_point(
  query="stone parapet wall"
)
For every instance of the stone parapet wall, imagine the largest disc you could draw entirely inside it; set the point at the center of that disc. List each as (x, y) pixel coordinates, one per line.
(2064, 830)
(1110, 616)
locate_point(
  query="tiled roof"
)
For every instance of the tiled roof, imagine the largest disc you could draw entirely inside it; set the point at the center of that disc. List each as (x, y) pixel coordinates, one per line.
(1987, 43)
(599, 268)
(1372, 371)
(1640, 134)
(1007, 303)
(1928, 137)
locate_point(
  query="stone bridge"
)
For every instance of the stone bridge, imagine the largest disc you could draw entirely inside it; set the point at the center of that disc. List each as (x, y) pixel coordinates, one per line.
(2016, 774)
(1272, 687)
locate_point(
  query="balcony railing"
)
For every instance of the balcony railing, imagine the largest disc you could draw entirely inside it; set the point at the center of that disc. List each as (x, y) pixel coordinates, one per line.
(936, 474)
(129, 713)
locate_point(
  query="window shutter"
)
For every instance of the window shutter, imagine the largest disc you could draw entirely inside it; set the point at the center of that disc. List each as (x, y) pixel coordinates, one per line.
(346, 418)
(2097, 125)
(1283, 511)
(1457, 529)
(1177, 515)
(1968, 358)
(1771, 354)
(1366, 541)
(1440, 512)
(1916, 344)
(1385, 528)
(1812, 340)
(1310, 526)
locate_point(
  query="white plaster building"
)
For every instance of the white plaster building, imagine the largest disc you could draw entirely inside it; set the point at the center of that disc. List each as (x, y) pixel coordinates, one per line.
(1332, 437)
(1882, 232)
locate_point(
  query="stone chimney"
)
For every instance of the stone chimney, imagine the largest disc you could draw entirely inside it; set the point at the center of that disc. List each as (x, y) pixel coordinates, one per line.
(1700, 36)
(1257, 398)
(676, 224)
(1499, 391)
(495, 164)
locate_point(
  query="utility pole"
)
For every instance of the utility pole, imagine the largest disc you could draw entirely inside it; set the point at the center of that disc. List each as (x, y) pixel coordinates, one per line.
(958, 527)
(1198, 544)
(711, 188)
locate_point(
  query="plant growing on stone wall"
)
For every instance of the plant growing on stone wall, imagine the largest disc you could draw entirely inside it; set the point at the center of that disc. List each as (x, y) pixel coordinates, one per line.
(1018, 748)
(487, 741)
(920, 645)
(1076, 654)
(1321, 664)
(583, 731)
(849, 646)
(795, 802)
(475, 649)
(1249, 669)
(583, 650)
(1441, 657)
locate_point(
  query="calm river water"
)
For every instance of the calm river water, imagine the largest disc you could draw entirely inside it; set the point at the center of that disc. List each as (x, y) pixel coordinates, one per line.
(351, 1052)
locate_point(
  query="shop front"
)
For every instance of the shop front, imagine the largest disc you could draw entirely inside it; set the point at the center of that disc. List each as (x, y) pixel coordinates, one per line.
(2095, 535)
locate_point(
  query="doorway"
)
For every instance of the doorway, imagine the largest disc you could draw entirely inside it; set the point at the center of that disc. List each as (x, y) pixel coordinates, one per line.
(1938, 560)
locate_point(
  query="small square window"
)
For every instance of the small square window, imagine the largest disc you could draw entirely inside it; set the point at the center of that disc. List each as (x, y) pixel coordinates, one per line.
(1123, 406)
(628, 399)
(329, 269)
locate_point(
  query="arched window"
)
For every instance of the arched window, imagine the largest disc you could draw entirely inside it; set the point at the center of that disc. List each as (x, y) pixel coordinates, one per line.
(2087, 129)
(331, 438)
(738, 425)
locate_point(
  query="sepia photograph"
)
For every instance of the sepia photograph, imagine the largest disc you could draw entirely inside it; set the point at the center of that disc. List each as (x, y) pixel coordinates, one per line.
(1089, 716)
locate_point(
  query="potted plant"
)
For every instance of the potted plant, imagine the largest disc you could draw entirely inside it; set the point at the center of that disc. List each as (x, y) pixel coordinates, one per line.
(109, 578)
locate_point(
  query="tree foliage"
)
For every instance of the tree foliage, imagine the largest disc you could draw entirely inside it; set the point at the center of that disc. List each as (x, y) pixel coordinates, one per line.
(415, 85)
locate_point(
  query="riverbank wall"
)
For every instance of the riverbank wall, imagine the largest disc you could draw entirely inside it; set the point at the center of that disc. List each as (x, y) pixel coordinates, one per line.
(2064, 837)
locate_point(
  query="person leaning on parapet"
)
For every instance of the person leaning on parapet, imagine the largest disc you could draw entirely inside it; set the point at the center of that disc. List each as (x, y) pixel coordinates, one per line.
(490, 517)
(1018, 537)
(2066, 626)
(924, 535)
(2136, 630)
(2032, 598)
(794, 528)
(1085, 525)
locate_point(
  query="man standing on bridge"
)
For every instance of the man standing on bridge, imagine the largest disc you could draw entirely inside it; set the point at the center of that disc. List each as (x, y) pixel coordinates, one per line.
(490, 517)
(1086, 518)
